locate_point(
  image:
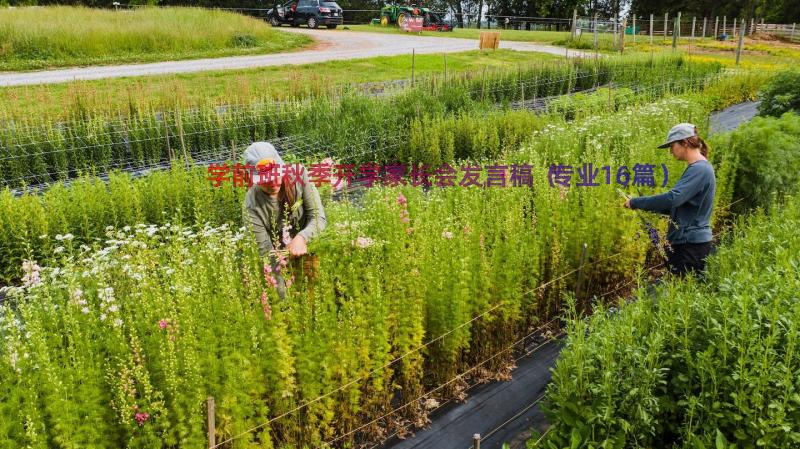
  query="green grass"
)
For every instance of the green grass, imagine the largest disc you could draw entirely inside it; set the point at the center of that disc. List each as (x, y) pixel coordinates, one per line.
(472, 33)
(39, 38)
(242, 86)
(757, 54)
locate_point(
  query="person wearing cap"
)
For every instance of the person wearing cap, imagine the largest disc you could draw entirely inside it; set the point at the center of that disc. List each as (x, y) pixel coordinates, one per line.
(689, 203)
(284, 212)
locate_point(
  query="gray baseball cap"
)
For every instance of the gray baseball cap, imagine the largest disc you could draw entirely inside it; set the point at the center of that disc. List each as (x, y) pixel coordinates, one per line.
(259, 151)
(679, 132)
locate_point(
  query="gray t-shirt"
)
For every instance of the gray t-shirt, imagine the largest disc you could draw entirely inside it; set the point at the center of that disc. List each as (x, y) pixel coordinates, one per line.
(688, 204)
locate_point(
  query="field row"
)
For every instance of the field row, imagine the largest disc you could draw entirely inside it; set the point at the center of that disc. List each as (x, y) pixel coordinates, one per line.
(38, 153)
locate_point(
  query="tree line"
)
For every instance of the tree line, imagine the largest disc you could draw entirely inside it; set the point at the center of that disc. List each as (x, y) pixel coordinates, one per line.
(774, 11)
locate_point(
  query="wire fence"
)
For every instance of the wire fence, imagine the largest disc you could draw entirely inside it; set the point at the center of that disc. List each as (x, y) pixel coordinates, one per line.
(298, 145)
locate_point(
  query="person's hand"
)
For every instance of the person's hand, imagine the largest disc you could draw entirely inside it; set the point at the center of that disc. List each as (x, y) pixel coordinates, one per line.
(297, 247)
(627, 203)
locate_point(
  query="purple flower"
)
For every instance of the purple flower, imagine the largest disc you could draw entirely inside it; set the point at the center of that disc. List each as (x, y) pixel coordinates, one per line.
(163, 324)
(401, 200)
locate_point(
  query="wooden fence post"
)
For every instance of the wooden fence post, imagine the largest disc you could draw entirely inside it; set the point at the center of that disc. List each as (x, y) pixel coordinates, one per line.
(791, 36)
(651, 29)
(676, 30)
(694, 21)
(666, 26)
(734, 28)
(476, 441)
(622, 36)
(739, 47)
(716, 27)
(724, 24)
(574, 23)
(634, 29)
(705, 20)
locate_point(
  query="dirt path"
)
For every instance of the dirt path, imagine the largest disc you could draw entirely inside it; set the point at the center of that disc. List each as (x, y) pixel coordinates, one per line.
(331, 45)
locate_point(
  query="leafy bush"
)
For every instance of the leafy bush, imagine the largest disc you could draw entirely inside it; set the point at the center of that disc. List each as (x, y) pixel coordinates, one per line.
(708, 365)
(781, 94)
(767, 159)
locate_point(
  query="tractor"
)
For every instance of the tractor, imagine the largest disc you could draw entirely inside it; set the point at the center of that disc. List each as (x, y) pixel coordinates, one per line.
(396, 14)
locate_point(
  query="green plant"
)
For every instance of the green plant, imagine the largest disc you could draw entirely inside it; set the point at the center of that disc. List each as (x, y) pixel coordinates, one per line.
(781, 94)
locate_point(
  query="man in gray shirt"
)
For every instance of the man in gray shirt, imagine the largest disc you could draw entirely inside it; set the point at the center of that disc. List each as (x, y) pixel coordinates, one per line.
(689, 203)
(284, 211)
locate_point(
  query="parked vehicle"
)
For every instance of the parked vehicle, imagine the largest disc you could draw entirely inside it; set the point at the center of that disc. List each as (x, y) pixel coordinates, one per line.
(313, 13)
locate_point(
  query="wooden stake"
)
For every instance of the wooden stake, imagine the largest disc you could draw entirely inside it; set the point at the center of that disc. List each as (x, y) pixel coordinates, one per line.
(634, 29)
(651, 29)
(716, 27)
(212, 423)
(704, 27)
(666, 26)
(739, 47)
(413, 63)
(476, 441)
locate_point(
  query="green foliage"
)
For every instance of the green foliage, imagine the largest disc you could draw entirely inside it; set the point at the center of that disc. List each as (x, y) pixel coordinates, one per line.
(767, 155)
(708, 365)
(191, 315)
(38, 151)
(781, 94)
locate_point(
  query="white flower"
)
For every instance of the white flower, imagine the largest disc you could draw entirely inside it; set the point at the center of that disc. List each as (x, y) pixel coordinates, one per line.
(447, 235)
(85, 310)
(102, 317)
(117, 322)
(58, 250)
(113, 308)
(109, 228)
(363, 242)
(59, 237)
(106, 294)
(68, 237)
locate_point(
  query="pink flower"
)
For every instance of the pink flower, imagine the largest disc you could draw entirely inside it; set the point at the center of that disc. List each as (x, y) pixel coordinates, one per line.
(401, 200)
(363, 242)
(163, 324)
(467, 230)
(287, 238)
(141, 418)
(289, 281)
(265, 305)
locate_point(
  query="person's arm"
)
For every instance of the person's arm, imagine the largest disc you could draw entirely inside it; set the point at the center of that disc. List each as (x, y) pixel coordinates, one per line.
(312, 205)
(690, 183)
(257, 226)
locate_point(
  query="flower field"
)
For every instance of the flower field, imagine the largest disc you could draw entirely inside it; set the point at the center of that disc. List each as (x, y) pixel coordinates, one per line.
(134, 297)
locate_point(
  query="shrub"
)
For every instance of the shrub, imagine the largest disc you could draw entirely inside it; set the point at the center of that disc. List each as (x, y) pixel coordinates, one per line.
(781, 94)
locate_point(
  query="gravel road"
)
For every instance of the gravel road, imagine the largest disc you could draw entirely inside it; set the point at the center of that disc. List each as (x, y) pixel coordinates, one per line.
(330, 45)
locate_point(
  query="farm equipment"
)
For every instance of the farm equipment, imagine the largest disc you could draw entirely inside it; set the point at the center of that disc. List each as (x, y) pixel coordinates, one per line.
(396, 14)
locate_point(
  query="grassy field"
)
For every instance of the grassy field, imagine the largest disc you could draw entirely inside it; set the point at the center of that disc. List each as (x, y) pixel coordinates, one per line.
(757, 54)
(191, 89)
(472, 33)
(38, 38)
